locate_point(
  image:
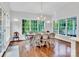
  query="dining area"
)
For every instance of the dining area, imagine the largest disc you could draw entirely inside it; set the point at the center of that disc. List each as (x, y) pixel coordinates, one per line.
(43, 44)
(37, 29)
(39, 40)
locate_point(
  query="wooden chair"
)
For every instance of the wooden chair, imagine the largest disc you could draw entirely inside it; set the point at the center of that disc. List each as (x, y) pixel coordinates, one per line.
(15, 35)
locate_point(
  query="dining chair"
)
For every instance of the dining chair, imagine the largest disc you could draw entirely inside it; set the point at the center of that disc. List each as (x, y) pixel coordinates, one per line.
(45, 41)
(36, 40)
(52, 39)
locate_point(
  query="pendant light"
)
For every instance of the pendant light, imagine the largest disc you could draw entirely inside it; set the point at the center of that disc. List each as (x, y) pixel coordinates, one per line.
(41, 17)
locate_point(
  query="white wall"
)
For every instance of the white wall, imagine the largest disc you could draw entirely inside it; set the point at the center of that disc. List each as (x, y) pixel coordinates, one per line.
(17, 26)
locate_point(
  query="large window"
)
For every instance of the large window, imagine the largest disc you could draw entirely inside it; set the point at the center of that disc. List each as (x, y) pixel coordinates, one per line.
(40, 26)
(71, 26)
(32, 26)
(55, 26)
(25, 26)
(62, 26)
(4, 30)
(65, 26)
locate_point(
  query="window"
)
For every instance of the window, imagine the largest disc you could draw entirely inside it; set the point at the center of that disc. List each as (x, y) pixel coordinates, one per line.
(62, 26)
(65, 26)
(34, 25)
(71, 26)
(25, 26)
(55, 26)
(40, 26)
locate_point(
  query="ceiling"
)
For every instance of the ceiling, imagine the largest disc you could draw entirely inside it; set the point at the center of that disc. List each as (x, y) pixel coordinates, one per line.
(48, 8)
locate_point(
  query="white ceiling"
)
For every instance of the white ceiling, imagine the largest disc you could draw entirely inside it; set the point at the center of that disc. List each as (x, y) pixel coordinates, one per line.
(49, 8)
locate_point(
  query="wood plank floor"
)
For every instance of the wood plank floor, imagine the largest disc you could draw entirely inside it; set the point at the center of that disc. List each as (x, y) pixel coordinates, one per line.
(77, 49)
(62, 49)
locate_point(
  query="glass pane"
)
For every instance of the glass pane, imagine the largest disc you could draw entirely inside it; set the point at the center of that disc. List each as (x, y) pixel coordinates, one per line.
(40, 26)
(25, 26)
(1, 34)
(62, 26)
(71, 26)
(55, 26)
(34, 25)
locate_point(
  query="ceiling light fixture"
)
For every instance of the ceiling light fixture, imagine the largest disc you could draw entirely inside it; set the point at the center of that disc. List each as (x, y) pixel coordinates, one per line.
(16, 20)
(48, 21)
(41, 17)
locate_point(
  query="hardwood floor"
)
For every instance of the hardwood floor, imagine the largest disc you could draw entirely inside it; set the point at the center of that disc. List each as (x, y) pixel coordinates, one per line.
(77, 49)
(62, 49)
